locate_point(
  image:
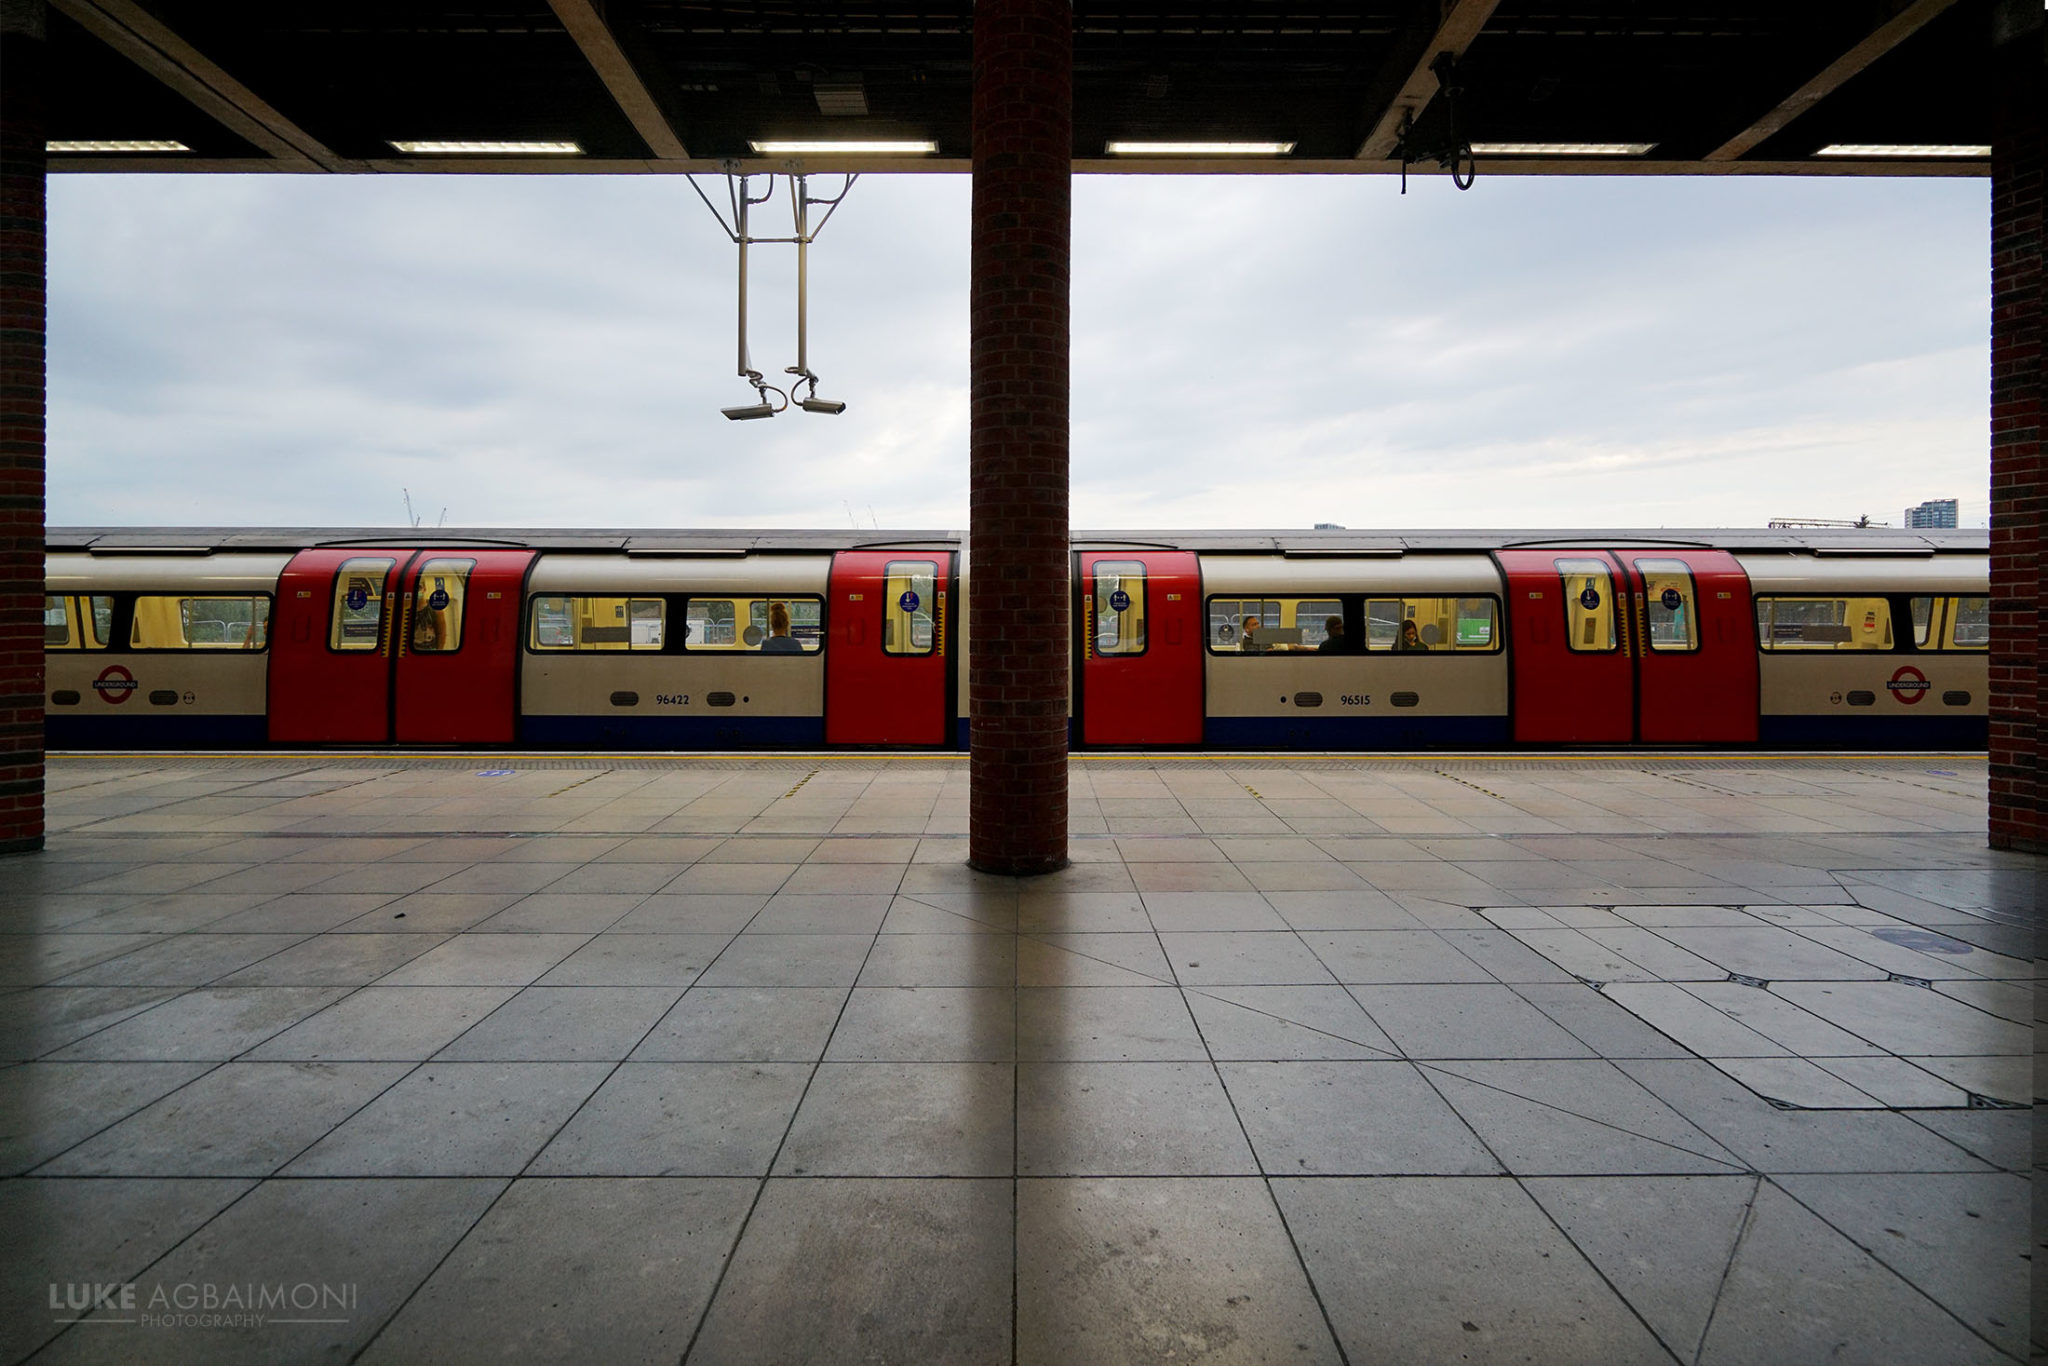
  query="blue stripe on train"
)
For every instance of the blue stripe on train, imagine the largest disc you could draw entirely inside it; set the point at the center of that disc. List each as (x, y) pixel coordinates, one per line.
(1850, 731)
(1356, 732)
(672, 732)
(166, 729)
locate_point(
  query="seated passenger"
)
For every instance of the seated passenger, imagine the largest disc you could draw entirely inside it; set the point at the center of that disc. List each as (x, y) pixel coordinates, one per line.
(1410, 641)
(779, 641)
(1333, 638)
(1249, 642)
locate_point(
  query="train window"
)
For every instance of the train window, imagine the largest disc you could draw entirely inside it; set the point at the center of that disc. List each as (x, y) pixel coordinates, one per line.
(1824, 623)
(564, 623)
(357, 622)
(1426, 625)
(1669, 605)
(77, 623)
(1118, 601)
(1257, 626)
(1969, 623)
(908, 607)
(165, 622)
(754, 625)
(1923, 611)
(1589, 614)
(437, 599)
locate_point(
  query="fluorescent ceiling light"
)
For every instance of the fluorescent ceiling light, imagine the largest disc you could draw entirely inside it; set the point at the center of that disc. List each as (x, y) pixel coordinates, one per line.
(1560, 149)
(489, 148)
(1889, 149)
(1199, 149)
(860, 148)
(115, 145)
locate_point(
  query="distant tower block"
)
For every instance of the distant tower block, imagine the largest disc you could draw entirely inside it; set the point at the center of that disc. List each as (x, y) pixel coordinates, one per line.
(1931, 515)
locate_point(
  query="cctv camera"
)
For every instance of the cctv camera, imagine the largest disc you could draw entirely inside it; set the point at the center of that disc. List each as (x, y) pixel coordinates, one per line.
(748, 412)
(821, 405)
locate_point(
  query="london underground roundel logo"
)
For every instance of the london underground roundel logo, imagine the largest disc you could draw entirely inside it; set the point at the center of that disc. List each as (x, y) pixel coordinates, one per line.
(114, 684)
(1909, 685)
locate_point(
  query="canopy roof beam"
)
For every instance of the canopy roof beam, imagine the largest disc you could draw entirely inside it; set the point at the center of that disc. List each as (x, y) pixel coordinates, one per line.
(1458, 23)
(601, 49)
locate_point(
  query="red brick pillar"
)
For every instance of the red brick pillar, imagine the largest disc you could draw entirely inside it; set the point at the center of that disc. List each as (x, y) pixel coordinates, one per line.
(22, 280)
(1017, 436)
(2016, 383)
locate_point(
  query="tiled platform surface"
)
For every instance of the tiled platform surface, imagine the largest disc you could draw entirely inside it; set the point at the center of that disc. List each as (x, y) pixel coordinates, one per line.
(652, 1059)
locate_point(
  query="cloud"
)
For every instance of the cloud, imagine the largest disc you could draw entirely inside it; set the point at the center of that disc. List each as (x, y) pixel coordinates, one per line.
(1248, 351)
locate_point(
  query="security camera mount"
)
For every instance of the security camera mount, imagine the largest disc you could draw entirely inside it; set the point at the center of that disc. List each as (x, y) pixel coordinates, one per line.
(1450, 150)
(741, 199)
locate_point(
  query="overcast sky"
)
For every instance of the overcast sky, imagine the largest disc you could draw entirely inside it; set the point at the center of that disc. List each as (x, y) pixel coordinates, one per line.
(1249, 351)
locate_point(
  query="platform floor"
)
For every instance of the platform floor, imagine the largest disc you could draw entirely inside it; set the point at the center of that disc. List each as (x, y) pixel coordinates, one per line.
(648, 1058)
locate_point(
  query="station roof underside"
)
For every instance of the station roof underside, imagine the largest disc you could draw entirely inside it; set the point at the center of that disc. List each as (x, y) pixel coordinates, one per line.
(678, 86)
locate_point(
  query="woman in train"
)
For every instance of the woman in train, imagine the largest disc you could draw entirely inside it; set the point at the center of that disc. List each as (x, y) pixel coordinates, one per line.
(779, 641)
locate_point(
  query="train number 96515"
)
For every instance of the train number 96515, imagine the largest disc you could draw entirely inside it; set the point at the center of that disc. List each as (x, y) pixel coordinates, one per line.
(1356, 699)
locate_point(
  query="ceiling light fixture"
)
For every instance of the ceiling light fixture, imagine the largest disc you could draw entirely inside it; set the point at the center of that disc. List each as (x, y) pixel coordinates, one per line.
(1903, 149)
(849, 147)
(62, 146)
(489, 148)
(1560, 149)
(1198, 149)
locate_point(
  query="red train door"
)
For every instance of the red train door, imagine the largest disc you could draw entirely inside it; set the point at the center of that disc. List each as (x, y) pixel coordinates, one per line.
(1141, 648)
(458, 647)
(887, 648)
(1695, 635)
(1574, 682)
(330, 647)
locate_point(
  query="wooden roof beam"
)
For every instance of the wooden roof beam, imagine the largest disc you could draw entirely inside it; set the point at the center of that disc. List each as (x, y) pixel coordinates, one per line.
(601, 49)
(1910, 19)
(145, 40)
(1458, 23)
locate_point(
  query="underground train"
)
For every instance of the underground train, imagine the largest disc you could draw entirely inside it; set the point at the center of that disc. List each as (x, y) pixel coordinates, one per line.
(736, 640)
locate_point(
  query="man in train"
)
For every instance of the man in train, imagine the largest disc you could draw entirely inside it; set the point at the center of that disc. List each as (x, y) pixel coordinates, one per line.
(1333, 638)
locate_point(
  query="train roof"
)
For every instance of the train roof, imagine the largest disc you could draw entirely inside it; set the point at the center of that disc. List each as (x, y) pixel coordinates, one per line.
(724, 541)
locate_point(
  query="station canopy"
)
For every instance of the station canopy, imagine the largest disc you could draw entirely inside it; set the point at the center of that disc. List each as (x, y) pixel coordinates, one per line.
(1847, 87)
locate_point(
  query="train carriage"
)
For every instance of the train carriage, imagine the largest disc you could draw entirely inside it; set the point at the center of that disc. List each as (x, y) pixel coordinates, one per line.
(736, 640)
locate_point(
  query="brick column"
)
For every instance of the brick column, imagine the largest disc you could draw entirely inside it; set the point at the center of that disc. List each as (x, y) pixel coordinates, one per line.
(1017, 436)
(2016, 383)
(22, 280)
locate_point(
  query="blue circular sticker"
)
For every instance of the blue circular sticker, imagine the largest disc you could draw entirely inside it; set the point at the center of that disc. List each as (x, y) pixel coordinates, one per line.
(1119, 601)
(1589, 599)
(908, 602)
(439, 600)
(358, 599)
(1672, 599)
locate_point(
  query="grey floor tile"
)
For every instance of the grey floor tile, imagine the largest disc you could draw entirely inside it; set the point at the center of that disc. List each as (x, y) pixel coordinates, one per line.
(715, 876)
(1351, 1119)
(1081, 912)
(1961, 1238)
(1466, 1022)
(1363, 909)
(210, 1024)
(78, 1234)
(1624, 1226)
(1393, 956)
(905, 1119)
(243, 1119)
(1106, 1024)
(745, 1024)
(369, 1242)
(612, 1270)
(1092, 960)
(1770, 953)
(2003, 1138)
(977, 912)
(927, 1024)
(941, 960)
(615, 878)
(380, 1024)
(430, 913)
(1454, 1269)
(789, 960)
(1211, 910)
(561, 913)
(39, 1020)
(1268, 1023)
(1160, 1270)
(1772, 1140)
(564, 1024)
(1798, 1290)
(816, 913)
(637, 960)
(679, 1119)
(1504, 956)
(1243, 958)
(182, 960)
(456, 1119)
(486, 960)
(1127, 1119)
(726, 914)
(1908, 1020)
(335, 960)
(50, 1106)
(896, 1270)
(1575, 1118)
(1597, 1022)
